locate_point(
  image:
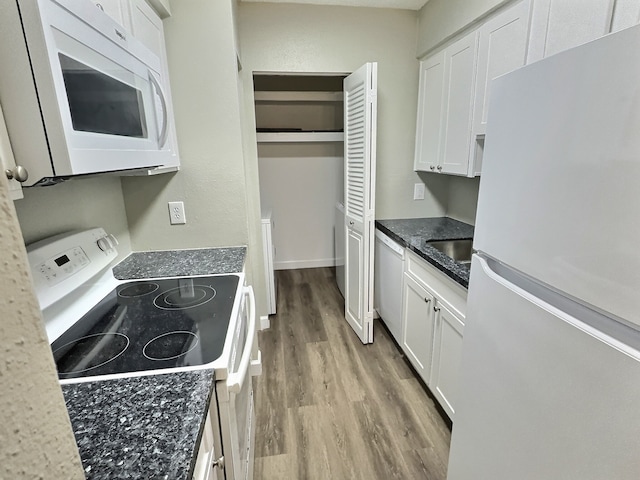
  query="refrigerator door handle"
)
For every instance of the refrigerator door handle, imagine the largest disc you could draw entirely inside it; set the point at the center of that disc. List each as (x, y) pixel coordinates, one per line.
(610, 331)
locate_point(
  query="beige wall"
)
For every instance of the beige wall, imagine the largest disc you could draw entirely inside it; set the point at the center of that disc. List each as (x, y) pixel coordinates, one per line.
(74, 205)
(201, 51)
(35, 433)
(202, 65)
(322, 39)
(463, 199)
(439, 20)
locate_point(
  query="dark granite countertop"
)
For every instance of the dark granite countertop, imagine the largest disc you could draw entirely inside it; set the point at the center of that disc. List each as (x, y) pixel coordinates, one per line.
(414, 233)
(148, 427)
(181, 263)
(141, 427)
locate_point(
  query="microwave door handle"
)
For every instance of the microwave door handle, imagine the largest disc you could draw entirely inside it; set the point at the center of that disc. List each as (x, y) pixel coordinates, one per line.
(162, 138)
(237, 378)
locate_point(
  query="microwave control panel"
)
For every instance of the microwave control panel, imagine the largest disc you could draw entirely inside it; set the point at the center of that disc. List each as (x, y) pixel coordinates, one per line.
(63, 265)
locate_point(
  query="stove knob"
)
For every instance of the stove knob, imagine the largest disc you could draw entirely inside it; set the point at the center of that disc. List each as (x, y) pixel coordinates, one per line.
(105, 244)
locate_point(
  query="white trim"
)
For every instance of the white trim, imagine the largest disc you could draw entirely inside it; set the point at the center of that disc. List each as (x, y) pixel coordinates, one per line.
(264, 322)
(295, 264)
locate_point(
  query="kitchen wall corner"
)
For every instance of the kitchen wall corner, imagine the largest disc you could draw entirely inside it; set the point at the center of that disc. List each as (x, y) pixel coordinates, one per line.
(74, 205)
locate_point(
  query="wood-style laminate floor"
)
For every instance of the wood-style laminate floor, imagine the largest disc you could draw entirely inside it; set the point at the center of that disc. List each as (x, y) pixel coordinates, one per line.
(328, 407)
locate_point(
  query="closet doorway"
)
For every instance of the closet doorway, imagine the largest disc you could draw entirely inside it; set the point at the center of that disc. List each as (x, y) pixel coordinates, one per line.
(299, 121)
(308, 165)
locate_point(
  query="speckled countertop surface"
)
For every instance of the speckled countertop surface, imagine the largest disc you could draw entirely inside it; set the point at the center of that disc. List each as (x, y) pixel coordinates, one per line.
(414, 233)
(148, 427)
(181, 263)
(142, 427)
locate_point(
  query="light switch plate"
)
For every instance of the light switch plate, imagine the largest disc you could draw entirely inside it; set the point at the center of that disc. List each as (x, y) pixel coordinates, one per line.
(418, 191)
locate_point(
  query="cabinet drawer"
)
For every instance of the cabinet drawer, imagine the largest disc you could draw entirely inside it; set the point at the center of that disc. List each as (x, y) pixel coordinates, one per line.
(442, 286)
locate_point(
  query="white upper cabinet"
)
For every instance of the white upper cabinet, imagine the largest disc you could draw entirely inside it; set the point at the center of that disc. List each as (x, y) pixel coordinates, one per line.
(460, 61)
(558, 25)
(114, 8)
(445, 108)
(502, 47)
(430, 112)
(8, 162)
(626, 14)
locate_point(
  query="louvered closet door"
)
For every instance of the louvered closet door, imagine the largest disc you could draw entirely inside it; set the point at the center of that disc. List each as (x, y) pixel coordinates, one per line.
(360, 108)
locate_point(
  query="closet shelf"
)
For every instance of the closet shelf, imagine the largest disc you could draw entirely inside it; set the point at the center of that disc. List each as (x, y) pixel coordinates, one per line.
(298, 96)
(299, 137)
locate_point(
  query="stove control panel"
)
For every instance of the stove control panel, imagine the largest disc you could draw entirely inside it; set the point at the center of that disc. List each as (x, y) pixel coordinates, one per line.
(65, 263)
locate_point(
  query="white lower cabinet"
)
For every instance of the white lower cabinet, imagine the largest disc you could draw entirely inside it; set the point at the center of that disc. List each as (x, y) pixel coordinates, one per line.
(205, 468)
(417, 325)
(447, 350)
(433, 314)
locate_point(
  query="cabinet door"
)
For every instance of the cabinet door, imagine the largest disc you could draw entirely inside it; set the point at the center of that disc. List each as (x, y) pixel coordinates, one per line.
(417, 326)
(626, 14)
(114, 8)
(502, 47)
(460, 64)
(447, 350)
(7, 161)
(561, 24)
(430, 112)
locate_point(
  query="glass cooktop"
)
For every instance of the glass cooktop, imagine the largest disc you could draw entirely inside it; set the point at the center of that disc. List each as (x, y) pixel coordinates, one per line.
(149, 325)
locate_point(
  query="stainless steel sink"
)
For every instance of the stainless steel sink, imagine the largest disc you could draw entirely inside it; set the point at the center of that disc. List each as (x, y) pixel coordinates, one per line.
(458, 250)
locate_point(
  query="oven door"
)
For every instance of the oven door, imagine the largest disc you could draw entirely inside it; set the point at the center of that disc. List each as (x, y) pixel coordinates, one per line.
(235, 396)
(106, 98)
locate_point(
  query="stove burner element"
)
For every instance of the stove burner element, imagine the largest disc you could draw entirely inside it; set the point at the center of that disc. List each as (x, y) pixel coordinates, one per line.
(138, 289)
(184, 297)
(89, 352)
(165, 346)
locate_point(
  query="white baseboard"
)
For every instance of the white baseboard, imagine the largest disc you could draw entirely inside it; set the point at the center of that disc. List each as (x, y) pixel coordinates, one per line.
(295, 264)
(264, 322)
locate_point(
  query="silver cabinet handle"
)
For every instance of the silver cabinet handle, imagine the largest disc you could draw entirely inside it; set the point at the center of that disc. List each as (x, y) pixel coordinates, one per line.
(436, 309)
(431, 167)
(427, 300)
(162, 138)
(351, 223)
(19, 173)
(219, 463)
(439, 168)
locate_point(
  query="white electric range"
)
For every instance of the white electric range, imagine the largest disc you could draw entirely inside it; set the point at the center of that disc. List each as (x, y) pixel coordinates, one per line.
(102, 328)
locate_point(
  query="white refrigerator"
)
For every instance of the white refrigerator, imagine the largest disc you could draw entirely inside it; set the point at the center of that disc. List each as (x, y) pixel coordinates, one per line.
(550, 371)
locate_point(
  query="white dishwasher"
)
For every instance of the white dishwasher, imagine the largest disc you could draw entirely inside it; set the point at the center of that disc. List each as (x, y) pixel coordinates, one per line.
(388, 271)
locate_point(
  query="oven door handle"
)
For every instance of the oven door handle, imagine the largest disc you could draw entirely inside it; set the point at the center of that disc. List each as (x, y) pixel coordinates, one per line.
(237, 378)
(162, 137)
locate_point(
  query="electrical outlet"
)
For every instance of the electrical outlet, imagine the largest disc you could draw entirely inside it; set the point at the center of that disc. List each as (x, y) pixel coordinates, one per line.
(176, 213)
(418, 191)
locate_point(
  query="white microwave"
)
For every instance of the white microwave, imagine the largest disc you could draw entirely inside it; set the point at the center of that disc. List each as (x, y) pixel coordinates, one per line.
(80, 95)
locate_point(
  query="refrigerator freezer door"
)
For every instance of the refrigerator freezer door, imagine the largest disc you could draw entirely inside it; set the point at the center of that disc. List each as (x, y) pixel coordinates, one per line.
(543, 394)
(559, 194)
